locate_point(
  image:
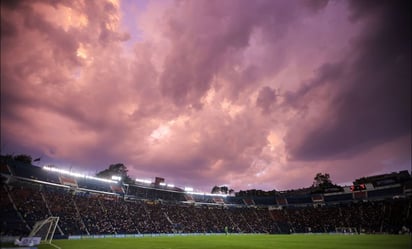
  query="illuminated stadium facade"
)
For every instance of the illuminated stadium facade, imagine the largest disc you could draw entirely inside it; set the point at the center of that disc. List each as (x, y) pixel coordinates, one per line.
(90, 206)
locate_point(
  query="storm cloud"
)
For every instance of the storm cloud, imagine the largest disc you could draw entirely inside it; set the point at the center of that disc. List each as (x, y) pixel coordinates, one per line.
(253, 94)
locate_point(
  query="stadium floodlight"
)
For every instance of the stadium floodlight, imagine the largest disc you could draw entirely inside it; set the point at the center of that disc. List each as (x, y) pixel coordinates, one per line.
(206, 194)
(143, 181)
(66, 172)
(221, 195)
(188, 189)
(162, 184)
(171, 185)
(100, 179)
(116, 178)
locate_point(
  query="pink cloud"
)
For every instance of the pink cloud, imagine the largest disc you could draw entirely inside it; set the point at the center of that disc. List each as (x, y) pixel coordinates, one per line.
(250, 94)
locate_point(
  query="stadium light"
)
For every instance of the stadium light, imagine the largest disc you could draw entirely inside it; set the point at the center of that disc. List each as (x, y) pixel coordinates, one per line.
(116, 178)
(143, 181)
(66, 172)
(162, 184)
(206, 194)
(171, 185)
(188, 189)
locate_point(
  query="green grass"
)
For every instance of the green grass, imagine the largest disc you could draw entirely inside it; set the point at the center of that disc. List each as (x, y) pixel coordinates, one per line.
(244, 242)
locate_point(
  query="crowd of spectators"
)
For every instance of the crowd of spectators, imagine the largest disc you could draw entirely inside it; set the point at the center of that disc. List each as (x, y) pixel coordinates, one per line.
(11, 223)
(84, 213)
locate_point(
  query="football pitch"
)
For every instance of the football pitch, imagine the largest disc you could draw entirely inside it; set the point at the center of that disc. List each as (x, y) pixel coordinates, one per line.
(243, 242)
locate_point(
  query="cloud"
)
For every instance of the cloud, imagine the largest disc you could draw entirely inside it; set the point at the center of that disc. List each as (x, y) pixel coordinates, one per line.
(248, 93)
(369, 91)
(266, 99)
(210, 46)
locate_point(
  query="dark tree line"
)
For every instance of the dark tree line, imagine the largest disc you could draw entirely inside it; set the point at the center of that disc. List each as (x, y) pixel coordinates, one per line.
(23, 158)
(222, 190)
(117, 169)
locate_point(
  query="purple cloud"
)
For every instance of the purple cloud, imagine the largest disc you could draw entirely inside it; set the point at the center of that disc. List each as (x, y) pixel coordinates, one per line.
(254, 94)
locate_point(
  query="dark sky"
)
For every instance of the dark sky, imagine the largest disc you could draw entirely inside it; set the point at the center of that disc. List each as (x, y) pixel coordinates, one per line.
(252, 94)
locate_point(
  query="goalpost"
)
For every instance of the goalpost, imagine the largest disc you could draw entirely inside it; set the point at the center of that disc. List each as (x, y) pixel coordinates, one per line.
(45, 229)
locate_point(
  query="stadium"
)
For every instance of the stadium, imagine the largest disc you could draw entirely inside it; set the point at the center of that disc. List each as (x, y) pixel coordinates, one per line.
(223, 110)
(70, 210)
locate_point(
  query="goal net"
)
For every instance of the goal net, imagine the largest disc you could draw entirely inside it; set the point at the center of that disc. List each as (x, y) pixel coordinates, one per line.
(347, 230)
(45, 229)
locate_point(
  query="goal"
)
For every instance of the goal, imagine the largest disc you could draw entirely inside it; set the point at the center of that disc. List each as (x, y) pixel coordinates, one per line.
(45, 229)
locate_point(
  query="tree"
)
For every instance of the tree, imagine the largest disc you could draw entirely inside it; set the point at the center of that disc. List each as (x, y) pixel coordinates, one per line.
(322, 180)
(215, 190)
(23, 158)
(221, 190)
(224, 189)
(117, 169)
(323, 184)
